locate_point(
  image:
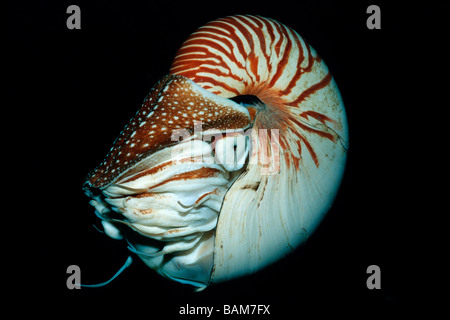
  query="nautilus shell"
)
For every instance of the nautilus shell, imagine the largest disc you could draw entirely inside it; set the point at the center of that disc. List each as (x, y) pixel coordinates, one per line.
(233, 159)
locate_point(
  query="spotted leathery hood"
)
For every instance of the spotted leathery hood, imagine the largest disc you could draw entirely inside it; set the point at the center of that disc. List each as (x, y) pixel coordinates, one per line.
(174, 103)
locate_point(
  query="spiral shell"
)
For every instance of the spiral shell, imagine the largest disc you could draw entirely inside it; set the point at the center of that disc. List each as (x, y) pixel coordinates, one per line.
(248, 182)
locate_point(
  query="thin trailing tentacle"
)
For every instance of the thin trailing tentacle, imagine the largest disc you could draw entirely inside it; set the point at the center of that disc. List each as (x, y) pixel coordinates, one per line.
(125, 265)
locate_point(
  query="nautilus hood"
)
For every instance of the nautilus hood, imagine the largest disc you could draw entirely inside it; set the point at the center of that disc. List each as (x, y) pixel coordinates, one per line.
(174, 110)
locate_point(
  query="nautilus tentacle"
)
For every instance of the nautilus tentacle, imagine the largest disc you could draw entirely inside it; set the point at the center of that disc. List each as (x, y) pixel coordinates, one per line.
(204, 188)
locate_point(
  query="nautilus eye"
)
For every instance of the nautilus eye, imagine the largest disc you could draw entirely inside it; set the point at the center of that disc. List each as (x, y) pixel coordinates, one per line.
(233, 159)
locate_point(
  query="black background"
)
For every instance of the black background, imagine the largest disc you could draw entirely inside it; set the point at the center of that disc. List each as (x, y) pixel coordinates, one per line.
(72, 91)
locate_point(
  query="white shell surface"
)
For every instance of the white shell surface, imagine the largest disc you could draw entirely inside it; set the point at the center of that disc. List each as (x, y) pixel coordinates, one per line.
(299, 137)
(266, 214)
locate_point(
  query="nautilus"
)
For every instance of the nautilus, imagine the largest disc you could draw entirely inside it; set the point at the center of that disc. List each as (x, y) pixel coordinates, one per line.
(233, 159)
